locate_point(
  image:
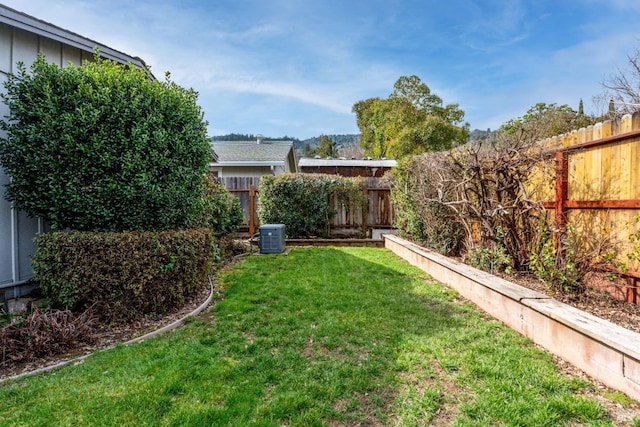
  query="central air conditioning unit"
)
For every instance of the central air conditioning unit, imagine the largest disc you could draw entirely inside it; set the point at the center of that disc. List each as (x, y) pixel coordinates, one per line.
(272, 238)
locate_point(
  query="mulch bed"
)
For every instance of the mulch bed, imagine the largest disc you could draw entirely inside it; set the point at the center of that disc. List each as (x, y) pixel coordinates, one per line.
(107, 336)
(597, 298)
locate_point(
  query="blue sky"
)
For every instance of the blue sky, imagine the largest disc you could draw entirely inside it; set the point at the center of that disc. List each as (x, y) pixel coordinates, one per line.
(296, 67)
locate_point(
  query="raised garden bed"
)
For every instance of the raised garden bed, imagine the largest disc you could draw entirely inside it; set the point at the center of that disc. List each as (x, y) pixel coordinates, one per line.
(604, 350)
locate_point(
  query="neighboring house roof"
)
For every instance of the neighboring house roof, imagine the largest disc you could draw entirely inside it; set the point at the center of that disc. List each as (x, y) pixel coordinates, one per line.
(33, 25)
(368, 167)
(251, 153)
(369, 163)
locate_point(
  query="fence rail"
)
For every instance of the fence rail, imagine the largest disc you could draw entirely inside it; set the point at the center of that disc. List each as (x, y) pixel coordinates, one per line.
(595, 188)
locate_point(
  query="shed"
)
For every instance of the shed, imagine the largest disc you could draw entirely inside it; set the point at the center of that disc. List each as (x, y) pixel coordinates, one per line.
(347, 167)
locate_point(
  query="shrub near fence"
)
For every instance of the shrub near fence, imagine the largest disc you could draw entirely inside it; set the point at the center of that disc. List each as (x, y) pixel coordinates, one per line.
(222, 212)
(303, 201)
(379, 213)
(123, 275)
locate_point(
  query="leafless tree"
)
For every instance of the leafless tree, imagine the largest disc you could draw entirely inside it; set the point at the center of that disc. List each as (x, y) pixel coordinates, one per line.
(623, 88)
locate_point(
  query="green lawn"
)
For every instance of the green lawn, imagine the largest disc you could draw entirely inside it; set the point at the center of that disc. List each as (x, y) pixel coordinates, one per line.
(329, 336)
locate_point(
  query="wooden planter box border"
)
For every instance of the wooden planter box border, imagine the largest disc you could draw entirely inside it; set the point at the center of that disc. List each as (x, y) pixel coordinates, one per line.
(607, 352)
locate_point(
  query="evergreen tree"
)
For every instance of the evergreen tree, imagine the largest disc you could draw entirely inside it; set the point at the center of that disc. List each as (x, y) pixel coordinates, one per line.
(327, 147)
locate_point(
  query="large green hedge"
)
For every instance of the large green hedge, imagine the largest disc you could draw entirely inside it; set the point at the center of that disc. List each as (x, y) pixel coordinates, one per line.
(301, 201)
(104, 147)
(123, 275)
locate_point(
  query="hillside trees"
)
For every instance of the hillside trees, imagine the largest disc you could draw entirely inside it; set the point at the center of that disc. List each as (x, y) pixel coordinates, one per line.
(546, 120)
(412, 120)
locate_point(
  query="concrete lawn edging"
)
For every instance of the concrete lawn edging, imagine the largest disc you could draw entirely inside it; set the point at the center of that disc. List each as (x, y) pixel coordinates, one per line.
(603, 350)
(79, 359)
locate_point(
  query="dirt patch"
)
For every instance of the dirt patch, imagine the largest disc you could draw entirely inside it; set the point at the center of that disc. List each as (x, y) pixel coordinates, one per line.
(453, 395)
(364, 406)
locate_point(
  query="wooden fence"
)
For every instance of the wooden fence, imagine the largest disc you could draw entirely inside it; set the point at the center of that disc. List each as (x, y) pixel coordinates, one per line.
(595, 187)
(348, 219)
(245, 189)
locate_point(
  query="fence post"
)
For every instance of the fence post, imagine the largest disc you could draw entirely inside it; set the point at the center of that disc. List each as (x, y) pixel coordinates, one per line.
(252, 209)
(365, 211)
(631, 294)
(562, 182)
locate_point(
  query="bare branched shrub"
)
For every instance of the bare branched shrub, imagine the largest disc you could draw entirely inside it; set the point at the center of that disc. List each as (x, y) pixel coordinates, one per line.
(494, 192)
(45, 333)
(483, 187)
(488, 197)
(623, 88)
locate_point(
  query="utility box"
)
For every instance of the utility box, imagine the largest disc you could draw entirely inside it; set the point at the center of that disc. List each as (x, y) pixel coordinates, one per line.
(272, 238)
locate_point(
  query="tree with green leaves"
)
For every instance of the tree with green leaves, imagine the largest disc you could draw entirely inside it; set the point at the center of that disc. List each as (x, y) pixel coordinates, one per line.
(547, 120)
(412, 120)
(327, 147)
(581, 108)
(104, 147)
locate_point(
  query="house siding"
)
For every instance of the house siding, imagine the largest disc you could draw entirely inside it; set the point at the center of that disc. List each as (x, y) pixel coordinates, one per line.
(17, 230)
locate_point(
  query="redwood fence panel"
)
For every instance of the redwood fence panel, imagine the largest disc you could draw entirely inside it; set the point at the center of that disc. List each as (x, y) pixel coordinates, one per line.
(244, 188)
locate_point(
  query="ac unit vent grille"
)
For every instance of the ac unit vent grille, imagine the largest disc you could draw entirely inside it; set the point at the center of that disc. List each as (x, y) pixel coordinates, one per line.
(272, 238)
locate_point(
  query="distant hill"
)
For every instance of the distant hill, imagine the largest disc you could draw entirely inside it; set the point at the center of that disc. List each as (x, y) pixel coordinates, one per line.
(347, 143)
(478, 135)
(346, 139)
(250, 137)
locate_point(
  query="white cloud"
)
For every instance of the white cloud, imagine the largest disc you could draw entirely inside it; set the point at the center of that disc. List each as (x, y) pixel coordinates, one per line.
(300, 66)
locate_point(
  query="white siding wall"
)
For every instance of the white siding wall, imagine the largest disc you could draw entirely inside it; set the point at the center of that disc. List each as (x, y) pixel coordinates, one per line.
(17, 230)
(248, 171)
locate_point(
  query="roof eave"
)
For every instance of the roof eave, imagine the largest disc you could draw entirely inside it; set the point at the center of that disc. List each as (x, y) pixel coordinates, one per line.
(33, 25)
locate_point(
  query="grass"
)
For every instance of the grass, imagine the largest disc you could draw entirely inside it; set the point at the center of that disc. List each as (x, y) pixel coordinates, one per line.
(351, 336)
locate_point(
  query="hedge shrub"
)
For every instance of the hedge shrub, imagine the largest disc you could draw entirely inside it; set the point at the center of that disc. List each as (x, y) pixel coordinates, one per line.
(301, 201)
(103, 147)
(122, 275)
(222, 211)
